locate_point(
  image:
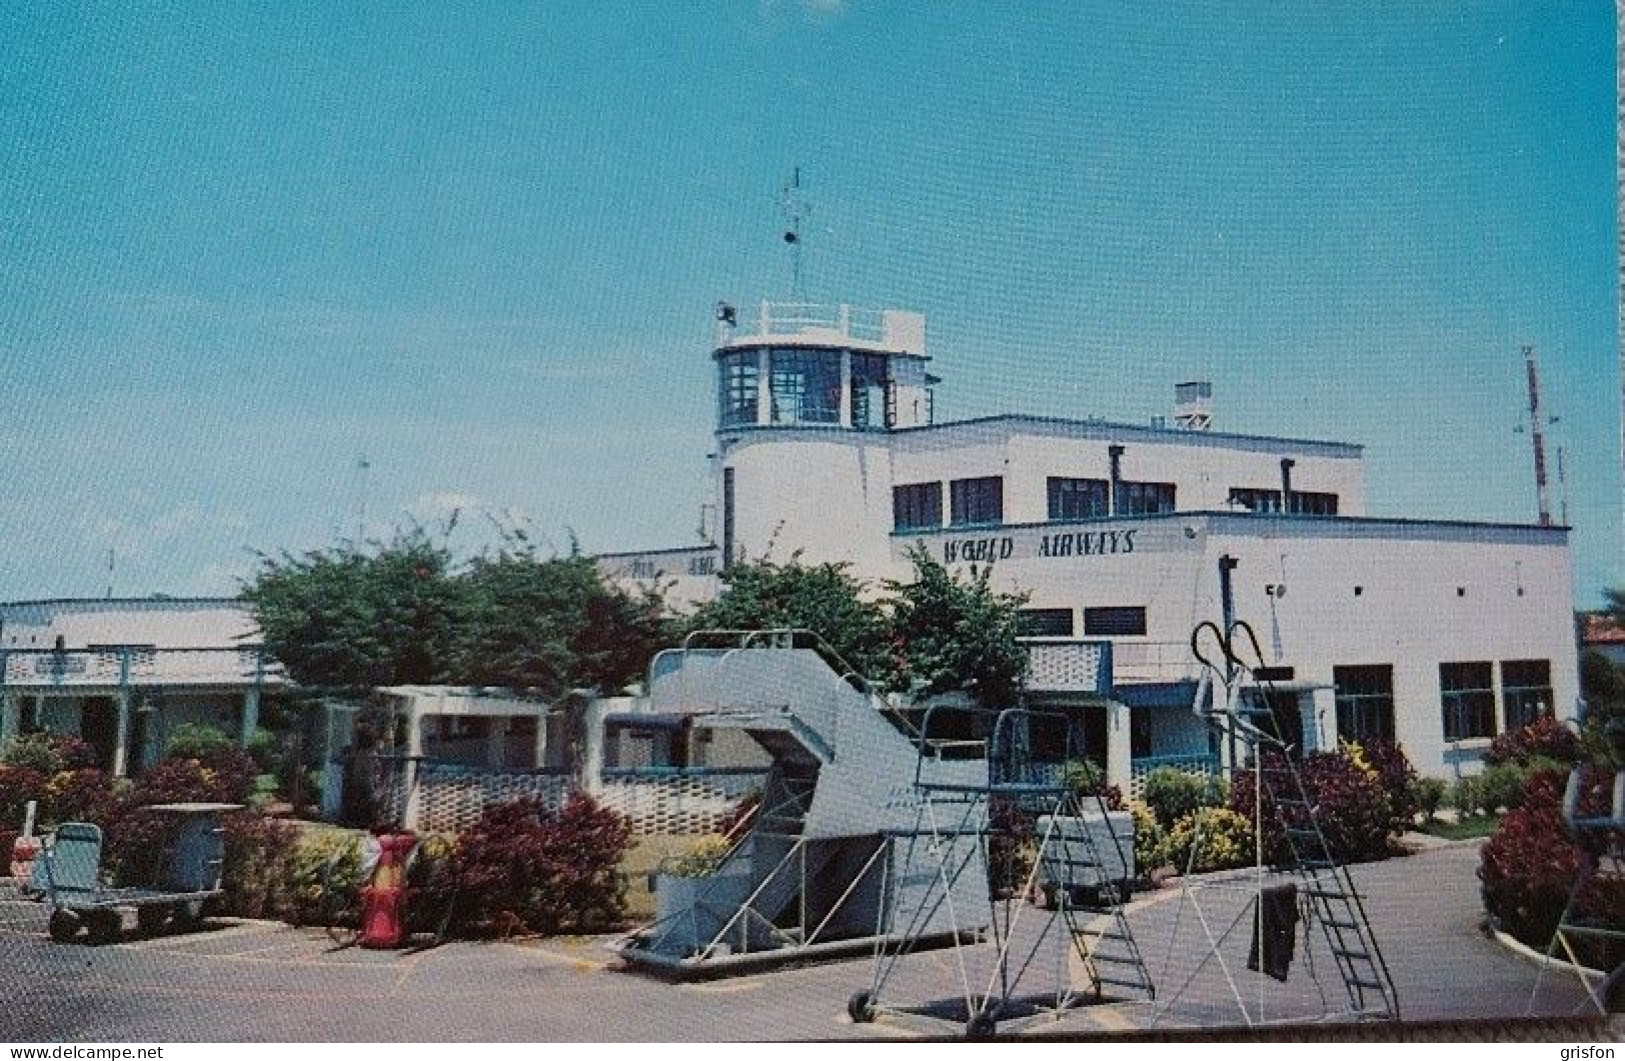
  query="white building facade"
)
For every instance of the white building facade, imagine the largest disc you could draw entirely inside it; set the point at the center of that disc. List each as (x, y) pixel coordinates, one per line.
(1437, 634)
(122, 673)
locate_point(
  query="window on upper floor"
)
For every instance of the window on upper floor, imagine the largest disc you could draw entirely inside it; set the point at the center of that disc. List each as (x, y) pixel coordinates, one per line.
(1255, 500)
(976, 501)
(1467, 700)
(1364, 696)
(1526, 690)
(805, 386)
(1309, 503)
(736, 388)
(1114, 622)
(869, 383)
(917, 506)
(1044, 622)
(1078, 498)
(1144, 499)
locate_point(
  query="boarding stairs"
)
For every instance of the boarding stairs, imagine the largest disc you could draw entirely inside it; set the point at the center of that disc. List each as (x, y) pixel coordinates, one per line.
(1327, 895)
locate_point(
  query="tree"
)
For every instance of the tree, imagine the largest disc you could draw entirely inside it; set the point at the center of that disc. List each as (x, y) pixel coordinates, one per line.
(551, 624)
(955, 634)
(353, 617)
(348, 619)
(823, 598)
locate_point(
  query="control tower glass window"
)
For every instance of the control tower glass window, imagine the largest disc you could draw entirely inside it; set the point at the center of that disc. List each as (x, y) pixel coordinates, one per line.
(806, 386)
(1144, 499)
(869, 391)
(736, 389)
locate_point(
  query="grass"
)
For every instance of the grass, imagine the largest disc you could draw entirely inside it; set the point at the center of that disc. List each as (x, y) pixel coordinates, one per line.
(646, 853)
(1475, 828)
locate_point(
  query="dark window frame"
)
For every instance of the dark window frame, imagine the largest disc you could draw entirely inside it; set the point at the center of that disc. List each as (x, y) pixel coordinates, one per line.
(738, 388)
(976, 502)
(1467, 699)
(804, 386)
(1114, 621)
(1046, 622)
(1070, 499)
(1364, 698)
(916, 506)
(1136, 498)
(1526, 691)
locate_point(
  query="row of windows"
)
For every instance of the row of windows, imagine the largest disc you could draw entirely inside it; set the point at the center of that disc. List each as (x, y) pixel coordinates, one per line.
(1364, 696)
(1097, 622)
(804, 387)
(1299, 502)
(918, 506)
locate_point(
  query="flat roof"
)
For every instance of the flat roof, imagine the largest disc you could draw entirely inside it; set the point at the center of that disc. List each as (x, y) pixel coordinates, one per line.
(1110, 428)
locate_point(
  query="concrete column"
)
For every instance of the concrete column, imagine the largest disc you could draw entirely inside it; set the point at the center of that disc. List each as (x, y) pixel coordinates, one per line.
(844, 414)
(121, 746)
(592, 761)
(10, 716)
(496, 743)
(1119, 752)
(764, 395)
(251, 715)
(540, 752)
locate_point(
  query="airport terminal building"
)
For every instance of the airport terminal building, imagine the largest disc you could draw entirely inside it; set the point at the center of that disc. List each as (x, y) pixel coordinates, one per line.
(1440, 634)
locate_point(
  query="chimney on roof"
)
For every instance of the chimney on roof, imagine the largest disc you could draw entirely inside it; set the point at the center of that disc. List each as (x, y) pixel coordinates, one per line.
(1193, 405)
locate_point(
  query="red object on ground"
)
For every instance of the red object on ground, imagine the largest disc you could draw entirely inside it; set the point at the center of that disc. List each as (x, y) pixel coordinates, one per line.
(381, 926)
(23, 851)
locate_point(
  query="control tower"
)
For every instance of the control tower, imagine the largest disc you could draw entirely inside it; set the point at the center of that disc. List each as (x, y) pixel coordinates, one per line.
(808, 397)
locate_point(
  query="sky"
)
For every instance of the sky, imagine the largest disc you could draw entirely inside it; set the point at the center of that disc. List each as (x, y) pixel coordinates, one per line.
(273, 276)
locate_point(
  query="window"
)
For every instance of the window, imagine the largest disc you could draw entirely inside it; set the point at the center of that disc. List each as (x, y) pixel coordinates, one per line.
(1114, 622)
(1077, 498)
(1254, 500)
(1365, 702)
(1467, 697)
(916, 506)
(869, 391)
(736, 389)
(1526, 690)
(976, 501)
(1044, 622)
(805, 386)
(1144, 499)
(1309, 503)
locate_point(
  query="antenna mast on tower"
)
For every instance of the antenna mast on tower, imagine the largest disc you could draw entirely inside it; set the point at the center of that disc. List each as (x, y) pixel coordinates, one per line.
(1536, 430)
(796, 209)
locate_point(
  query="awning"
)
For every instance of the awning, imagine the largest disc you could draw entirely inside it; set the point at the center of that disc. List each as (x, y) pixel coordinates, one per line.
(639, 720)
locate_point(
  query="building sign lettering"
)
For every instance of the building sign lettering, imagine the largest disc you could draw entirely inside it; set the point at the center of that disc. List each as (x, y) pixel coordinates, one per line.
(1039, 544)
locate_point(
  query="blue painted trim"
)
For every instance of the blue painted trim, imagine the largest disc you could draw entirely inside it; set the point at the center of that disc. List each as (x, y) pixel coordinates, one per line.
(1156, 694)
(1111, 429)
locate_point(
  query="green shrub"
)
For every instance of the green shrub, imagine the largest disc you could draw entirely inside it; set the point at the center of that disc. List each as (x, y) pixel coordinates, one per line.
(1349, 804)
(1087, 780)
(1225, 842)
(1148, 837)
(701, 860)
(307, 870)
(1173, 794)
(256, 876)
(47, 753)
(1500, 786)
(1465, 797)
(195, 740)
(1427, 795)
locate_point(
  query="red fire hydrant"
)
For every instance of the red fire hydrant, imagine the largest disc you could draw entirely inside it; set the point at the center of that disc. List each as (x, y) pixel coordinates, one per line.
(381, 926)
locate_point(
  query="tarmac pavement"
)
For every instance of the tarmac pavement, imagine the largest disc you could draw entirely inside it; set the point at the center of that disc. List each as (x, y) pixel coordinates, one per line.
(262, 981)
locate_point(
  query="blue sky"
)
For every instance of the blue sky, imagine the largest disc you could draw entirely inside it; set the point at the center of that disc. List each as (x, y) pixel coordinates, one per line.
(244, 245)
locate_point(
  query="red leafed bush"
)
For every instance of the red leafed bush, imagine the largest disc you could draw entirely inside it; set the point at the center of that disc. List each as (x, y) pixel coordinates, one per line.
(1398, 780)
(1529, 866)
(82, 795)
(549, 870)
(1349, 804)
(18, 785)
(1544, 738)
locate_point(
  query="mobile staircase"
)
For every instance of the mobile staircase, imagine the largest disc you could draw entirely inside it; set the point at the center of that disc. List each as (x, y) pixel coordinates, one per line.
(1318, 892)
(964, 856)
(814, 873)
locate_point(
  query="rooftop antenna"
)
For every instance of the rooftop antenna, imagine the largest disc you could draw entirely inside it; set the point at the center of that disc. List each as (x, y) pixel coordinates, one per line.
(1537, 433)
(362, 467)
(796, 210)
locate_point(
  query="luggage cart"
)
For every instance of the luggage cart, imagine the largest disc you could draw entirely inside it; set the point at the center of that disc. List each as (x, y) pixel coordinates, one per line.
(68, 875)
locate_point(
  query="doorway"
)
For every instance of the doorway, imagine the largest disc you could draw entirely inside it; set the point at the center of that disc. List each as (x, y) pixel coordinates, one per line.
(98, 727)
